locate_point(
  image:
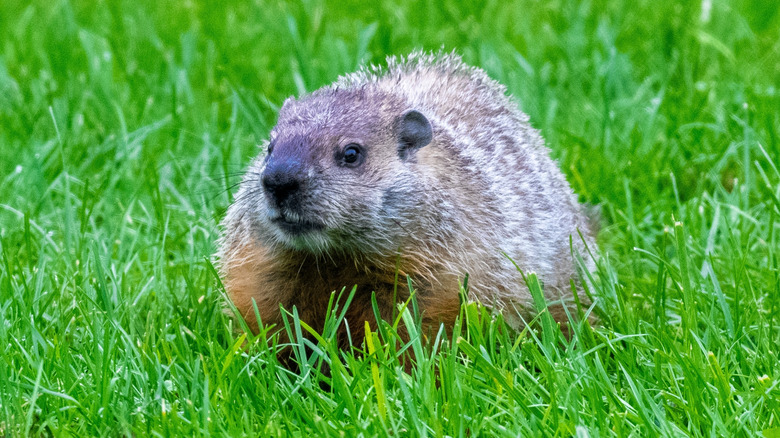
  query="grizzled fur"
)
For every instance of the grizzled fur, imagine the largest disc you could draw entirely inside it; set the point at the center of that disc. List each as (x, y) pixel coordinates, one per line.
(482, 191)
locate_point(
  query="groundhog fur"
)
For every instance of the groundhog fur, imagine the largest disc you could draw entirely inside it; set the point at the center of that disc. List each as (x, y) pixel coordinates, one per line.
(424, 169)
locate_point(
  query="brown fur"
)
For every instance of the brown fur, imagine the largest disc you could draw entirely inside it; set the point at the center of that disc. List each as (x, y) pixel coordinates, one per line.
(483, 189)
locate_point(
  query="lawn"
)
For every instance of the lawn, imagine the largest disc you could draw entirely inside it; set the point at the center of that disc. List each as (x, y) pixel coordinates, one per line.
(125, 126)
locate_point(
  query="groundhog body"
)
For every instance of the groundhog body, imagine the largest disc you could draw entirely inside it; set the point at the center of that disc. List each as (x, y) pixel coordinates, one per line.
(424, 169)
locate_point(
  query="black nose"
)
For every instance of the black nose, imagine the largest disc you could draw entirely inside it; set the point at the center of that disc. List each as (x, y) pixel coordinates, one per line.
(282, 181)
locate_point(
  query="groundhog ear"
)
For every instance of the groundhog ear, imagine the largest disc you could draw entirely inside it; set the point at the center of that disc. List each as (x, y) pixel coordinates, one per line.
(414, 132)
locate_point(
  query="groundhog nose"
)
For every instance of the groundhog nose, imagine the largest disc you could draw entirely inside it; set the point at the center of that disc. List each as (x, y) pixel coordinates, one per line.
(281, 181)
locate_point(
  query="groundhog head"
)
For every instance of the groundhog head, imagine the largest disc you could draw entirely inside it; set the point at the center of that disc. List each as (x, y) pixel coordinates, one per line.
(338, 172)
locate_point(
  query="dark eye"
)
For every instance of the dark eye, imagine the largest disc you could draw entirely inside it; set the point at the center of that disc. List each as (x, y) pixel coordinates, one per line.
(270, 147)
(352, 154)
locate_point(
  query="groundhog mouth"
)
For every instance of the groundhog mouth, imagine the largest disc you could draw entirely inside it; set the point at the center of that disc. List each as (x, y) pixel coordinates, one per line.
(296, 226)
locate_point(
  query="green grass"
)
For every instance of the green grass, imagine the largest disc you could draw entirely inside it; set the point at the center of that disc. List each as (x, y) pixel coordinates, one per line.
(125, 125)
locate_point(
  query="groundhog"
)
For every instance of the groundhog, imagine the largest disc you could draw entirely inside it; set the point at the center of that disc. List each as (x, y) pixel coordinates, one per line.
(423, 170)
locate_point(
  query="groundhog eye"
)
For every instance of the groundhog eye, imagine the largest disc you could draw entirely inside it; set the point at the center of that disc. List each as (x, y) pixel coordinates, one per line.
(352, 154)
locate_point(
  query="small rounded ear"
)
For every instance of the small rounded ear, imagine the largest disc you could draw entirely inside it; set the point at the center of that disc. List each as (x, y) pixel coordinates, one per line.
(414, 132)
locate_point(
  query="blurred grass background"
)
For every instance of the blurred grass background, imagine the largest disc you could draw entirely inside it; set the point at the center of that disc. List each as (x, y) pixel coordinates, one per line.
(125, 125)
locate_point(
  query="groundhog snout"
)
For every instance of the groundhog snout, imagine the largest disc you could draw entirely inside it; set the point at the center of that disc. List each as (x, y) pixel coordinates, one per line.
(283, 181)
